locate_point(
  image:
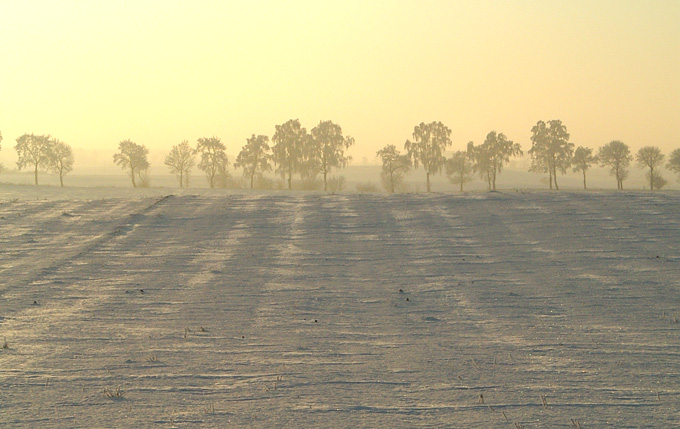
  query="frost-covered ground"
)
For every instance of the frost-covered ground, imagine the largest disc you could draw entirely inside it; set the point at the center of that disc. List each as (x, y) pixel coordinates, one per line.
(291, 309)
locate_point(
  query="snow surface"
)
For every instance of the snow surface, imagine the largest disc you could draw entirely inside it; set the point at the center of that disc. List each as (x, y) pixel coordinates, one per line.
(299, 309)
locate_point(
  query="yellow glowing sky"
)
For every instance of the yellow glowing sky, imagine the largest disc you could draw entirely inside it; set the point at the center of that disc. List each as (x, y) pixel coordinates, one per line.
(93, 73)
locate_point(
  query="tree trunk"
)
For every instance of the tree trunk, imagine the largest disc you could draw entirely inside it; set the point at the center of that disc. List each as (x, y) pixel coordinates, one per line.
(391, 181)
(181, 178)
(36, 174)
(428, 181)
(584, 179)
(324, 180)
(61, 179)
(132, 174)
(651, 178)
(557, 188)
(290, 180)
(252, 178)
(493, 180)
(550, 180)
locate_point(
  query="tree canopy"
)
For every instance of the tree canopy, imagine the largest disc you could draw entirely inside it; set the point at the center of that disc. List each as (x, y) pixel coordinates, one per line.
(550, 150)
(214, 159)
(582, 161)
(132, 156)
(33, 150)
(428, 146)
(615, 155)
(394, 166)
(61, 159)
(459, 168)
(289, 140)
(329, 148)
(254, 157)
(651, 157)
(180, 161)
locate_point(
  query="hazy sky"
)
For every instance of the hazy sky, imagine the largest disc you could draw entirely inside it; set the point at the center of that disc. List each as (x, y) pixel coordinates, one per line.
(93, 73)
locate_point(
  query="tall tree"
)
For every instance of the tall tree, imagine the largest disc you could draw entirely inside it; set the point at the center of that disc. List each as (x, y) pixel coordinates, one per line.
(394, 166)
(428, 146)
(214, 159)
(582, 161)
(615, 155)
(459, 168)
(289, 140)
(651, 157)
(33, 150)
(481, 162)
(254, 157)
(180, 160)
(329, 148)
(550, 150)
(61, 159)
(674, 161)
(132, 156)
(494, 153)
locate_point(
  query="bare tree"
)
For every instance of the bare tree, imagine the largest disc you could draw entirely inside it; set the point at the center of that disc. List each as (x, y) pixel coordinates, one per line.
(674, 161)
(550, 149)
(394, 166)
(254, 157)
(132, 156)
(289, 140)
(481, 162)
(214, 159)
(33, 150)
(328, 145)
(459, 168)
(582, 161)
(493, 154)
(428, 146)
(180, 161)
(61, 159)
(615, 155)
(651, 157)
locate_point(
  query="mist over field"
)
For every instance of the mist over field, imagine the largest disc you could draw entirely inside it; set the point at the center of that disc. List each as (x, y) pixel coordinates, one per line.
(383, 213)
(204, 307)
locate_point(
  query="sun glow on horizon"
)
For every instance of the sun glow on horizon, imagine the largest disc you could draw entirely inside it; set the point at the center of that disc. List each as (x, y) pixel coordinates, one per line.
(159, 72)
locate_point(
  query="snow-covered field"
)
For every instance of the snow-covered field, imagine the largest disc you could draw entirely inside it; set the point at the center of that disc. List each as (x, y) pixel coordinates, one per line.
(298, 309)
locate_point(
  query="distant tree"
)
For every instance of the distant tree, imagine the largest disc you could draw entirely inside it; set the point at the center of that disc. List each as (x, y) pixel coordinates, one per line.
(254, 157)
(615, 155)
(289, 140)
(33, 150)
(214, 159)
(674, 161)
(582, 161)
(394, 166)
(132, 156)
(481, 162)
(494, 153)
(651, 157)
(428, 146)
(459, 168)
(61, 159)
(328, 146)
(550, 149)
(180, 161)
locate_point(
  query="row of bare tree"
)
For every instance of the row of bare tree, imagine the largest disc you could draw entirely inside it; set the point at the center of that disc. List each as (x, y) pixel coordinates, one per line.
(295, 151)
(551, 152)
(43, 152)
